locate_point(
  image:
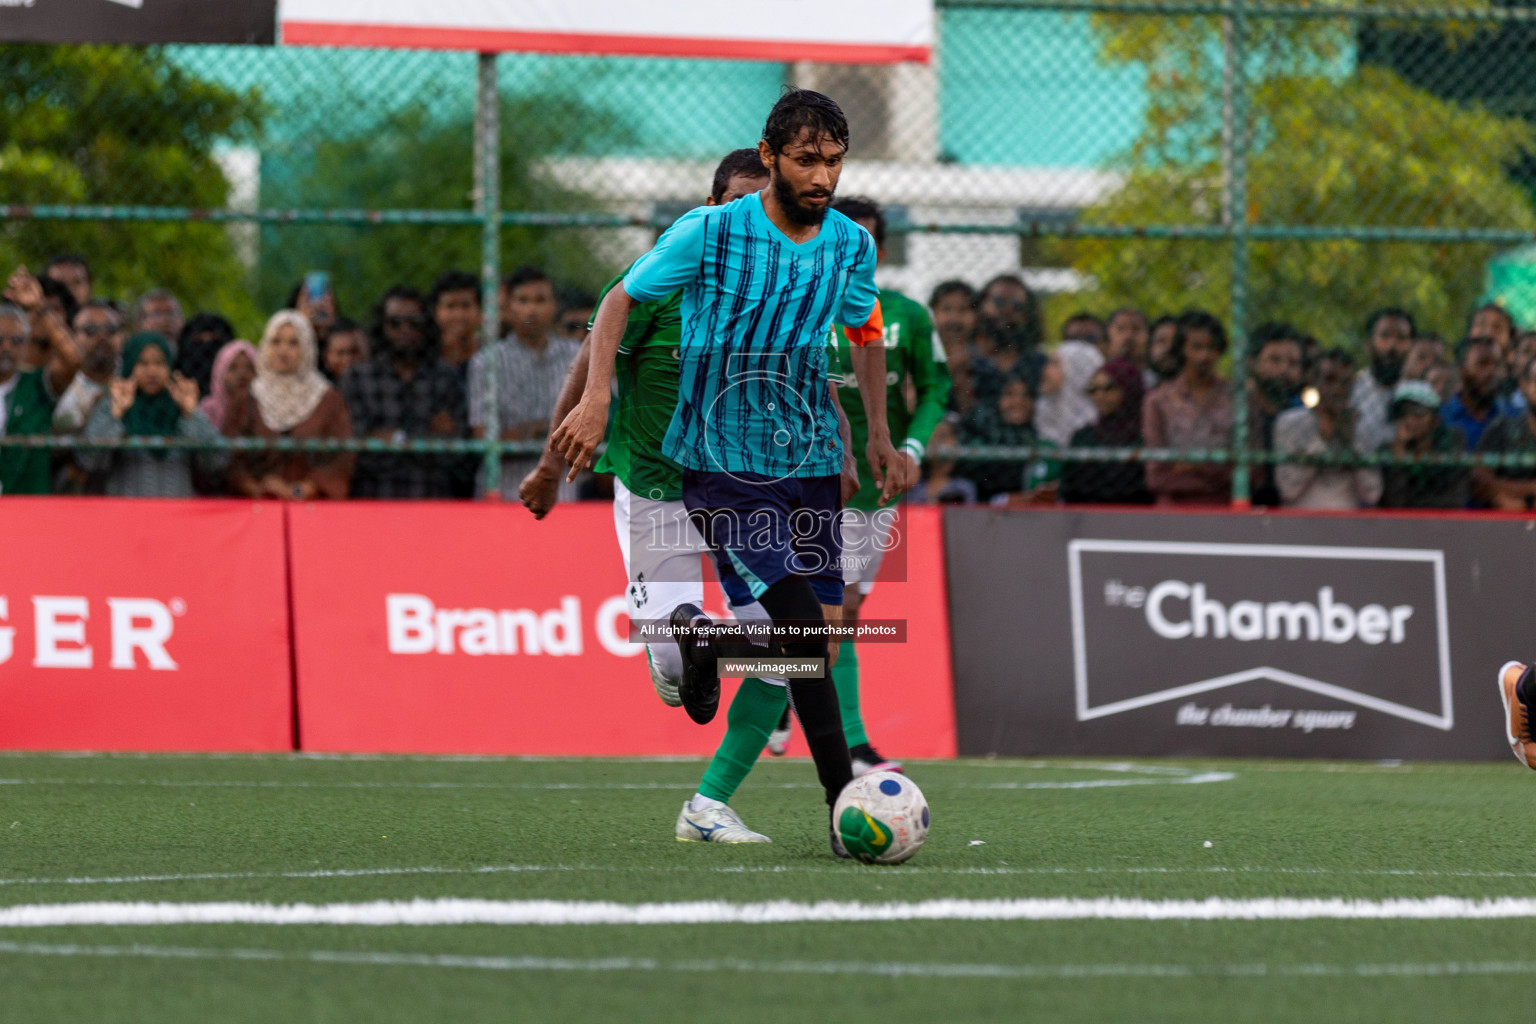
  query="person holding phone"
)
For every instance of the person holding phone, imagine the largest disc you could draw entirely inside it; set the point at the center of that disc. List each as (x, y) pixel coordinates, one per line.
(315, 298)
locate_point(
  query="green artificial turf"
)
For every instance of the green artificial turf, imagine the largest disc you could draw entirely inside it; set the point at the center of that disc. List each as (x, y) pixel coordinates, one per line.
(277, 829)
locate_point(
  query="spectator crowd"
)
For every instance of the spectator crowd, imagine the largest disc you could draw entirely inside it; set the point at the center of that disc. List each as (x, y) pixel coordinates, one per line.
(1131, 382)
(72, 363)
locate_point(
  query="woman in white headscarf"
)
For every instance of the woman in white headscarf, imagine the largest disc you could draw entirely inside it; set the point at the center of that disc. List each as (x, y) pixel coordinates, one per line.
(1064, 406)
(289, 398)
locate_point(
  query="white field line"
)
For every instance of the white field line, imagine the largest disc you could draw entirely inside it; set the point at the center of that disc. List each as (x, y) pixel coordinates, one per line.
(1132, 767)
(1190, 780)
(742, 869)
(582, 912)
(888, 969)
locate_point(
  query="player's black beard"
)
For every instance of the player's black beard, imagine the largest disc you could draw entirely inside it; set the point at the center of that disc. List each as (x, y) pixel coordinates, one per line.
(789, 202)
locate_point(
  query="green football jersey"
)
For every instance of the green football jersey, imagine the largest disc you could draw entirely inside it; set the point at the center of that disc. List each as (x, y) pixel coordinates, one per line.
(647, 372)
(911, 349)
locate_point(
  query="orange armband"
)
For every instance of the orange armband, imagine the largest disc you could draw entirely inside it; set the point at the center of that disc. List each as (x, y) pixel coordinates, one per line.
(873, 329)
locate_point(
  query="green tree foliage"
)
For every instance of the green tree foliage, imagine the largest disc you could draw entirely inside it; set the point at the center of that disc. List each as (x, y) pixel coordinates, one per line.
(1330, 143)
(122, 125)
(416, 160)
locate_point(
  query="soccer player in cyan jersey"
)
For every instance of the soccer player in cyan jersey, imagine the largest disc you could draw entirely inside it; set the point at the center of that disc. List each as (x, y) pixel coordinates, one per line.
(648, 508)
(912, 352)
(661, 548)
(755, 428)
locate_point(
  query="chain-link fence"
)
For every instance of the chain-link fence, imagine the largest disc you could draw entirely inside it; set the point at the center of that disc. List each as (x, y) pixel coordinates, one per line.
(1286, 168)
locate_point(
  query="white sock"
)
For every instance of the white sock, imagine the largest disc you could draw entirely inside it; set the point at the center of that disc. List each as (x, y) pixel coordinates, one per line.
(700, 802)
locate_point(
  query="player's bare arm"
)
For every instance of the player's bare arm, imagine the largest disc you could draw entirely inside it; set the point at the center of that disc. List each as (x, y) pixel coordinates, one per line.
(888, 465)
(540, 488)
(579, 434)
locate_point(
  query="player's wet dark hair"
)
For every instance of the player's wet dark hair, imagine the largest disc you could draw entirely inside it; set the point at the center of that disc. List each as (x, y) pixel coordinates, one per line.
(745, 162)
(864, 208)
(799, 109)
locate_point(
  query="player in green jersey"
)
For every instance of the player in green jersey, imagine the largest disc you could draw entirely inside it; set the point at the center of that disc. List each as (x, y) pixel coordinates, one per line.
(912, 352)
(661, 551)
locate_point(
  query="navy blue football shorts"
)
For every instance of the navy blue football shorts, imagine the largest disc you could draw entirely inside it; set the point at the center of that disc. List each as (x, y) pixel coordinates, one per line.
(762, 529)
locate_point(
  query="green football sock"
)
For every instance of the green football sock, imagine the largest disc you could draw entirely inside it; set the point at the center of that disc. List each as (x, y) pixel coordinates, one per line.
(753, 714)
(845, 676)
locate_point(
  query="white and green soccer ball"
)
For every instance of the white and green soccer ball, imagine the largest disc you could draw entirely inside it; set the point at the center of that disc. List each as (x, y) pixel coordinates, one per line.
(882, 818)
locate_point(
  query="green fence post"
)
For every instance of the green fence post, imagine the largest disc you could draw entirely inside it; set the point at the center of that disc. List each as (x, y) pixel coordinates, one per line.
(488, 175)
(1237, 131)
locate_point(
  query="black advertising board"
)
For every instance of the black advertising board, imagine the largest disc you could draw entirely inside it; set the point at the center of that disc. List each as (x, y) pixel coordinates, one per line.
(1187, 634)
(138, 21)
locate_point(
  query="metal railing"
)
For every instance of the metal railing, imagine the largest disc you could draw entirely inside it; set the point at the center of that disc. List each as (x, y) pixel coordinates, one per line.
(1242, 30)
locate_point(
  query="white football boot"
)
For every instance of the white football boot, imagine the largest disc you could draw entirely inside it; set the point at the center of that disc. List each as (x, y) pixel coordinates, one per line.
(714, 825)
(666, 688)
(778, 739)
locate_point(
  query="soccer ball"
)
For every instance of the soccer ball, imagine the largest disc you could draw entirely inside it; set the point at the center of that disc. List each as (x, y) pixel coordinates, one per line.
(882, 818)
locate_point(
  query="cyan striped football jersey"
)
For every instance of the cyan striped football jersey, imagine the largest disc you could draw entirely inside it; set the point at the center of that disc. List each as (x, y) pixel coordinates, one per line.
(756, 309)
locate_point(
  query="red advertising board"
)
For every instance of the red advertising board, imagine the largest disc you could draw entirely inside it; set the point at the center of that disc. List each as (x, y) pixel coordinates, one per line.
(143, 625)
(436, 628)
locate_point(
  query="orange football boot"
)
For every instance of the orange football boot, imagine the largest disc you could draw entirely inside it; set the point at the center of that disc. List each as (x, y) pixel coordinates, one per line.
(1517, 723)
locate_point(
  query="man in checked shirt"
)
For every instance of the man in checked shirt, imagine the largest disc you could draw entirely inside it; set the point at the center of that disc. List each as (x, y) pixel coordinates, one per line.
(404, 392)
